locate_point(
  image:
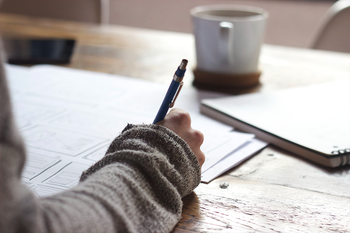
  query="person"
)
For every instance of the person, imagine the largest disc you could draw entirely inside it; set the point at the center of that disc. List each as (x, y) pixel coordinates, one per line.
(136, 187)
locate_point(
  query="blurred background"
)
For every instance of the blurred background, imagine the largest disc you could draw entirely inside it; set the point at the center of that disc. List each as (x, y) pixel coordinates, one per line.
(291, 22)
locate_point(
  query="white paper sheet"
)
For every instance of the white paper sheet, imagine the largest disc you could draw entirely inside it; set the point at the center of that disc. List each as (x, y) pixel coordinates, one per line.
(233, 159)
(219, 146)
(69, 117)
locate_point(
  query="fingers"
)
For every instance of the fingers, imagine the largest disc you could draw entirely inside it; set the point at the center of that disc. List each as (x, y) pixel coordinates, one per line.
(195, 140)
(179, 121)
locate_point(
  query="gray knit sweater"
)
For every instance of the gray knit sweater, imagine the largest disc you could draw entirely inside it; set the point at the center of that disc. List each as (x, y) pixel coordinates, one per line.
(136, 187)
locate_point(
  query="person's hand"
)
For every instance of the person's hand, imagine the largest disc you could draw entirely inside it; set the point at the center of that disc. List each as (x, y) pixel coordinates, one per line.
(179, 122)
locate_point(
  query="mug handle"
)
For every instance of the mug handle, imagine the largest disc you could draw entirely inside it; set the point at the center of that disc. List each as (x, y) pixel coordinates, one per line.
(226, 42)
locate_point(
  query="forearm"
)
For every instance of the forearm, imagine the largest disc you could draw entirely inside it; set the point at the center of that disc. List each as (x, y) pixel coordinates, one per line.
(156, 168)
(114, 199)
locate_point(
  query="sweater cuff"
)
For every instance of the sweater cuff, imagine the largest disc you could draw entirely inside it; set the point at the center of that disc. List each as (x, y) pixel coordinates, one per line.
(158, 143)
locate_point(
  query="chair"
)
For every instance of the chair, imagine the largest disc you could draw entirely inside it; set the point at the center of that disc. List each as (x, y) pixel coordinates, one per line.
(333, 32)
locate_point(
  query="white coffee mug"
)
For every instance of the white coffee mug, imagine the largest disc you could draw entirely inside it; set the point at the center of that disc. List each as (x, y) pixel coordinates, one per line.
(228, 38)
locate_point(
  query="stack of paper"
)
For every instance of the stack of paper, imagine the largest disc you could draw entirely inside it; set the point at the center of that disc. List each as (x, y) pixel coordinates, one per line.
(69, 117)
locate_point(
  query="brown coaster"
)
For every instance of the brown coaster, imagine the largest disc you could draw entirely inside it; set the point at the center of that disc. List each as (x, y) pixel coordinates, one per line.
(209, 80)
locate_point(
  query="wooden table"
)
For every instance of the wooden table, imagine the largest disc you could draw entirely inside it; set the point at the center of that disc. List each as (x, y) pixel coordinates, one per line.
(275, 191)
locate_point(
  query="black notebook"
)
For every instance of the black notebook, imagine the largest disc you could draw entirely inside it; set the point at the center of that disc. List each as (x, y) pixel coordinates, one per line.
(310, 121)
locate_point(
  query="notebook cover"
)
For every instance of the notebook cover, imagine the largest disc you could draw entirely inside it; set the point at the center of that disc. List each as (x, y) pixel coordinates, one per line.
(311, 121)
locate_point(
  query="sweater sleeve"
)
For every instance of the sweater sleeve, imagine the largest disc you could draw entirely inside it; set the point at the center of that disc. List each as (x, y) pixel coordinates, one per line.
(136, 187)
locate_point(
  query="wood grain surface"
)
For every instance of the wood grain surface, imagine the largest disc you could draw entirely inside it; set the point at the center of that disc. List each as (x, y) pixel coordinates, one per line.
(275, 191)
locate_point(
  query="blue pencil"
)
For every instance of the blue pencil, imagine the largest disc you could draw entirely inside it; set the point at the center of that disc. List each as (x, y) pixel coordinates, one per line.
(173, 91)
